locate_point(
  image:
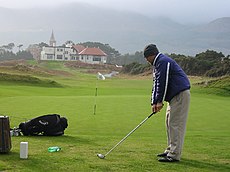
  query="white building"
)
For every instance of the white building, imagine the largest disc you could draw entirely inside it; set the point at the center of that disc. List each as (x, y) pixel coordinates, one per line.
(92, 56)
(60, 53)
(72, 53)
(52, 40)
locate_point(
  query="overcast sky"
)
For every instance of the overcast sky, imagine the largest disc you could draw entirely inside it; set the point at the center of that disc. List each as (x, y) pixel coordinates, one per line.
(183, 11)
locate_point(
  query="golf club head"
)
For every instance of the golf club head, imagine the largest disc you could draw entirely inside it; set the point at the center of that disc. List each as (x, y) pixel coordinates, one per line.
(101, 156)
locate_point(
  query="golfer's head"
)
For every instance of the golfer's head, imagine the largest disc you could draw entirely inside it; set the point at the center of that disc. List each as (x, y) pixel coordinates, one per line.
(150, 52)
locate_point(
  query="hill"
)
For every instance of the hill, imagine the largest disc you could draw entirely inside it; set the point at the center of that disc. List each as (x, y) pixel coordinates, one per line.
(219, 86)
(27, 80)
(42, 74)
(125, 31)
(20, 72)
(48, 74)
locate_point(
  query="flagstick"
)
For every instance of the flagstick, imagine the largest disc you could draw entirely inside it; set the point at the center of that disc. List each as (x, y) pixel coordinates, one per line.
(101, 77)
(95, 100)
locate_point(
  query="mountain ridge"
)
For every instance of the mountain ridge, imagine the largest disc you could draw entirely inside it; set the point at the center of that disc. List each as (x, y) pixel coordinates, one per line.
(127, 32)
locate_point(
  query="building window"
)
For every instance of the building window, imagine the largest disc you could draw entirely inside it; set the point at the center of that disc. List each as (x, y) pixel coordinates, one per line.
(60, 49)
(59, 57)
(50, 56)
(98, 59)
(73, 57)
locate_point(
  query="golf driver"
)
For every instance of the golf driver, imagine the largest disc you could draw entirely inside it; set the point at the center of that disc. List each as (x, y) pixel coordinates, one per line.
(101, 156)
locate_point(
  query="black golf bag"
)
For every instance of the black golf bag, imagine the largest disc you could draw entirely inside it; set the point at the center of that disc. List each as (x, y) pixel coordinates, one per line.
(48, 125)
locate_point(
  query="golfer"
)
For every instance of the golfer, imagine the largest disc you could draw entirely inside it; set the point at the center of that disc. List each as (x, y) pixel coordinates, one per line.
(171, 85)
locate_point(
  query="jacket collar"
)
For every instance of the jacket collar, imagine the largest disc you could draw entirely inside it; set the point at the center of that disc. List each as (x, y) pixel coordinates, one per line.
(156, 58)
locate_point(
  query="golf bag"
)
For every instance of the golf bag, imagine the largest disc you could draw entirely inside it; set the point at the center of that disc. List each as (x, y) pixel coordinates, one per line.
(5, 139)
(47, 125)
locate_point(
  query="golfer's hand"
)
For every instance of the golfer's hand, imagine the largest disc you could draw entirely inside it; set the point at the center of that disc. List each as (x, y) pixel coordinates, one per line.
(157, 107)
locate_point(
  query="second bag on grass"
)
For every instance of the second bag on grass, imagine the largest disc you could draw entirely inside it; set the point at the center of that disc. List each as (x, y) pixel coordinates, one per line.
(48, 125)
(5, 139)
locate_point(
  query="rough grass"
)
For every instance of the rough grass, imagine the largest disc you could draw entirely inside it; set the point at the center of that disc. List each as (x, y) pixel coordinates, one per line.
(219, 86)
(27, 80)
(122, 103)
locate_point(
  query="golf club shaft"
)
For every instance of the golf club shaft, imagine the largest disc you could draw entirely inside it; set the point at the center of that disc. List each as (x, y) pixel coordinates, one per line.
(129, 133)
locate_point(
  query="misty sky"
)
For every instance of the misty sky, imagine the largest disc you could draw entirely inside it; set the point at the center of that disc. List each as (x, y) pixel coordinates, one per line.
(183, 11)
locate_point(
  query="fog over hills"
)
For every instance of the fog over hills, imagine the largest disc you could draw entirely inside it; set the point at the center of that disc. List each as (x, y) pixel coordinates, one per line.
(125, 31)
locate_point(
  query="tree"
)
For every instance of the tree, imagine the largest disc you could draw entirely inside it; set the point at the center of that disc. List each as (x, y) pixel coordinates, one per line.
(24, 55)
(43, 44)
(111, 52)
(8, 47)
(7, 55)
(35, 50)
(19, 47)
(210, 55)
(69, 43)
(135, 68)
(11, 46)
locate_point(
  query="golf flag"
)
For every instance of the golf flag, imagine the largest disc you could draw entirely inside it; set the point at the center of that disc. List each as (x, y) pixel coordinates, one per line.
(100, 76)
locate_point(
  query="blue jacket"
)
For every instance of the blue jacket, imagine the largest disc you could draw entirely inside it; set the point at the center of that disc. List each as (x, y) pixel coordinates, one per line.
(169, 79)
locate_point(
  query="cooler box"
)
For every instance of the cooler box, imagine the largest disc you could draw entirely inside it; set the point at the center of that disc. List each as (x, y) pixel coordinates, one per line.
(5, 139)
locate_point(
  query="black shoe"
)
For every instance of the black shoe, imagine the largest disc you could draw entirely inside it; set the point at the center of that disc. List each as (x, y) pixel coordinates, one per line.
(162, 154)
(167, 159)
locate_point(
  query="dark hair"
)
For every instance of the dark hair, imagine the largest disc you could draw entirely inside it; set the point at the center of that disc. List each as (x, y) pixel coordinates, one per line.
(150, 50)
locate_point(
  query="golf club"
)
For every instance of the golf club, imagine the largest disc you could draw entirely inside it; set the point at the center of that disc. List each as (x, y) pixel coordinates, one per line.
(101, 156)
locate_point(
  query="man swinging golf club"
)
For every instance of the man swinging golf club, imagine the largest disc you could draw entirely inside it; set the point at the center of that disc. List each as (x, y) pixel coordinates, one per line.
(171, 85)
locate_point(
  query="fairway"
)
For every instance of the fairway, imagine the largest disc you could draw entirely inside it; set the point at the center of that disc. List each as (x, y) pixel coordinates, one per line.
(122, 103)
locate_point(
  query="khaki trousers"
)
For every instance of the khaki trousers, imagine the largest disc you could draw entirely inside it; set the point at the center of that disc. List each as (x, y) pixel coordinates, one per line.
(176, 117)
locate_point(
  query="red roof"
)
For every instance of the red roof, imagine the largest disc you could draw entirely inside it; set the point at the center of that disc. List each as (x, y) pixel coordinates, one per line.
(79, 48)
(92, 51)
